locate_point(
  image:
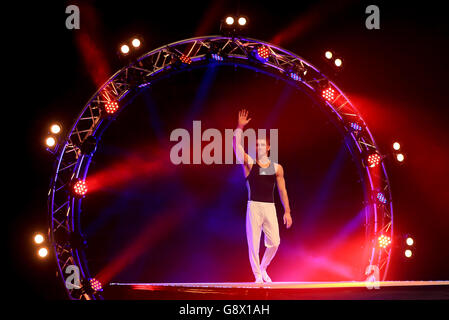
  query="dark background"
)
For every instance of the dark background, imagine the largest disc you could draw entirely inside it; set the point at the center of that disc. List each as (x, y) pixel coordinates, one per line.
(396, 76)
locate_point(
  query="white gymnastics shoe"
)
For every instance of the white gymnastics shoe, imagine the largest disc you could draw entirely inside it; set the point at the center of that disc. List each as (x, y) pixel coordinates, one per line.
(265, 276)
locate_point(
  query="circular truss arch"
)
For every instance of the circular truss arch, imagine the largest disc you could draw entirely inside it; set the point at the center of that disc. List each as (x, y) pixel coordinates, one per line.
(74, 154)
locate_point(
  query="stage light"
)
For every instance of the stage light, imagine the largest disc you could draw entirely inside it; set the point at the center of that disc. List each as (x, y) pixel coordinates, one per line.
(374, 160)
(381, 198)
(55, 128)
(295, 76)
(384, 241)
(233, 26)
(229, 21)
(355, 126)
(216, 57)
(214, 52)
(135, 43)
(400, 157)
(242, 21)
(111, 106)
(408, 253)
(329, 94)
(185, 59)
(80, 187)
(409, 241)
(50, 142)
(297, 72)
(43, 252)
(262, 53)
(338, 62)
(38, 238)
(328, 55)
(396, 146)
(95, 285)
(124, 49)
(143, 85)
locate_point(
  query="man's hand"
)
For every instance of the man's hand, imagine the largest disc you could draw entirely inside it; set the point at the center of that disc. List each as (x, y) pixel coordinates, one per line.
(288, 219)
(243, 115)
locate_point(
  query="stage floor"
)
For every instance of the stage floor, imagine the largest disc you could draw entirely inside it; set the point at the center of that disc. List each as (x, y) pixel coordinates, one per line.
(352, 290)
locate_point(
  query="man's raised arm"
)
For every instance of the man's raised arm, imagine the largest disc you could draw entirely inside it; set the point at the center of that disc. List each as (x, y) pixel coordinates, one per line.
(240, 153)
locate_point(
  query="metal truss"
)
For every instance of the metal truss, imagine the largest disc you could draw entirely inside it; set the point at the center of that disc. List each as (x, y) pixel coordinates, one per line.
(72, 162)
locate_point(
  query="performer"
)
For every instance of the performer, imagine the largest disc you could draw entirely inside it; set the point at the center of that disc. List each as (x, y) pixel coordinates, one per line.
(261, 212)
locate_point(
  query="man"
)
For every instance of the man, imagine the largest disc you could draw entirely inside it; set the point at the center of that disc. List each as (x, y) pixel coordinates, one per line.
(261, 175)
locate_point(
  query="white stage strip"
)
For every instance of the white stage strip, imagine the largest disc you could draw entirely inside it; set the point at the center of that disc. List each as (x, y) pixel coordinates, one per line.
(283, 285)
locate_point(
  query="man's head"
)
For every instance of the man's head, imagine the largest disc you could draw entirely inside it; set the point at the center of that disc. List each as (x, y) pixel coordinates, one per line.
(262, 147)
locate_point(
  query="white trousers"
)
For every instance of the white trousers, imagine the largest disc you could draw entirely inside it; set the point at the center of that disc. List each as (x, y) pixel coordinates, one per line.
(261, 216)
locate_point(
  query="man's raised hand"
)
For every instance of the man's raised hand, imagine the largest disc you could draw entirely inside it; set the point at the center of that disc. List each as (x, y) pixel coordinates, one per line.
(243, 118)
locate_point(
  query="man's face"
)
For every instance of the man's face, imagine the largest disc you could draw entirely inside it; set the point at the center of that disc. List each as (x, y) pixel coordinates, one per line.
(262, 147)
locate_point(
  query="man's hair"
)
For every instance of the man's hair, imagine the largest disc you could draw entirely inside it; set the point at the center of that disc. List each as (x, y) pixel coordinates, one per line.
(267, 140)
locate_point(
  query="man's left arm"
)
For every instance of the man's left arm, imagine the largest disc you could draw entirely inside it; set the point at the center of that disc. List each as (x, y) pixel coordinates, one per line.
(283, 195)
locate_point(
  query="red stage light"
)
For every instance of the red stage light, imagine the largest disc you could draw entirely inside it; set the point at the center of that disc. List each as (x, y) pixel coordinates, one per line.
(329, 94)
(80, 187)
(95, 284)
(263, 52)
(111, 106)
(384, 241)
(185, 59)
(373, 160)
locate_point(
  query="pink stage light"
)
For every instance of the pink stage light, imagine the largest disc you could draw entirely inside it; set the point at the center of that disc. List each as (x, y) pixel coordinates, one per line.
(329, 94)
(384, 241)
(185, 59)
(111, 106)
(80, 187)
(95, 285)
(373, 160)
(263, 52)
